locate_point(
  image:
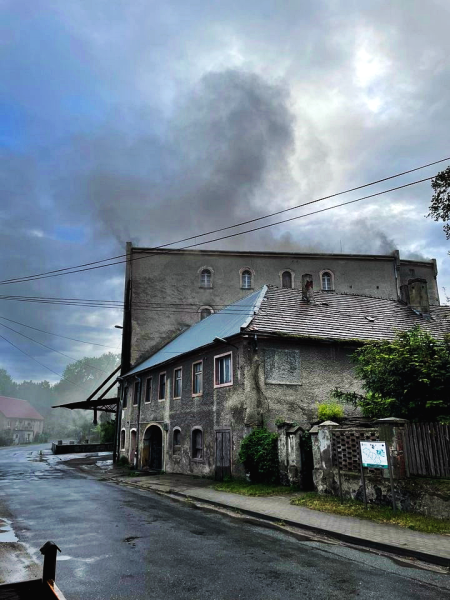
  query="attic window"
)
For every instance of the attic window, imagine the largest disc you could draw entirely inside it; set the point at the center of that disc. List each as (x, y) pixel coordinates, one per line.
(286, 279)
(371, 319)
(246, 282)
(327, 281)
(206, 278)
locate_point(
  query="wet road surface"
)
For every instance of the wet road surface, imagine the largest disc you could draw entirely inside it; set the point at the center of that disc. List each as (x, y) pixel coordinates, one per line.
(119, 542)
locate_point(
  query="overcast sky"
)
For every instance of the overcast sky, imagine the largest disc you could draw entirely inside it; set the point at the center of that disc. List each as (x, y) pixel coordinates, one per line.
(150, 121)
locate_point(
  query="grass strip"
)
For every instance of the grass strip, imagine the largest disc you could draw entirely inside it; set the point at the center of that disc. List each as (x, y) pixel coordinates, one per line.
(379, 514)
(245, 488)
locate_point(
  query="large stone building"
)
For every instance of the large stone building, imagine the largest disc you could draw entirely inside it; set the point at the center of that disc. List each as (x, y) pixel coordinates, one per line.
(167, 291)
(19, 420)
(269, 358)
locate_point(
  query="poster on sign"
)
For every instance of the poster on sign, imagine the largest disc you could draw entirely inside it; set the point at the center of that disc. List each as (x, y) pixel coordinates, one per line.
(374, 455)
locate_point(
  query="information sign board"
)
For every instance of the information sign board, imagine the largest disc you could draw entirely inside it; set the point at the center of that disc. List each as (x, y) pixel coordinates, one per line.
(374, 455)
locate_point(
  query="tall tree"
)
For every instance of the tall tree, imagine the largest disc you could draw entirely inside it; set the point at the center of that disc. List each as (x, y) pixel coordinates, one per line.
(8, 387)
(440, 201)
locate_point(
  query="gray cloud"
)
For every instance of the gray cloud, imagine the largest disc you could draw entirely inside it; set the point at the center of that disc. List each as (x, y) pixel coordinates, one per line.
(120, 122)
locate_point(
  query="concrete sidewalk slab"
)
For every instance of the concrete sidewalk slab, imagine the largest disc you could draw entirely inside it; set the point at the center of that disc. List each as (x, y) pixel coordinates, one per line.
(431, 548)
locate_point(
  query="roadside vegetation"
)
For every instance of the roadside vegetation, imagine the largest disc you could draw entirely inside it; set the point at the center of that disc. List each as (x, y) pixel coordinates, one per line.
(379, 514)
(246, 488)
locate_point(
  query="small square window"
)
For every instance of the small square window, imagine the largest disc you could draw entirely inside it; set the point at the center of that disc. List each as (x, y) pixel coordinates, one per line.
(197, 378)
(223, 370)
(162, 387)
(177, 382)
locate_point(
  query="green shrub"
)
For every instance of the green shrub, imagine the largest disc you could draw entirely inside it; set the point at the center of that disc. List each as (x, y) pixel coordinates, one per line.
(259, 454)
(332, 411)
(123, 461)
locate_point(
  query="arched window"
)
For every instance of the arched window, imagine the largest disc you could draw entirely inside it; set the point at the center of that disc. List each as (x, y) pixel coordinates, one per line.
(246, 280)
(286, 279)
(205, 311)
(206, 278)
(327, 281)
(197, 444)
(176, 441)
(122, 439)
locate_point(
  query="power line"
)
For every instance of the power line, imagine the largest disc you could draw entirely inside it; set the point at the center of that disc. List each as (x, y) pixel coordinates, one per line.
(57, 334)
(42, 365)
(52, 349)
(241, 232)
(77, 269)
(117, 303)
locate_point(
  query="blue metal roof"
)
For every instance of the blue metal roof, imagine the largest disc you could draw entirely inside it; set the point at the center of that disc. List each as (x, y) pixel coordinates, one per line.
(224, 324)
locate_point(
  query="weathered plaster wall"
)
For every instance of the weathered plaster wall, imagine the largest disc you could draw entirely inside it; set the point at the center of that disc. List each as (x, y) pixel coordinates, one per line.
(163, 279)
(316, 369)
(250, 401)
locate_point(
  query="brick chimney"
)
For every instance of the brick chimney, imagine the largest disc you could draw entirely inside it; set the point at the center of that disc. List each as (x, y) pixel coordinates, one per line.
(307, 288)
(415, 294)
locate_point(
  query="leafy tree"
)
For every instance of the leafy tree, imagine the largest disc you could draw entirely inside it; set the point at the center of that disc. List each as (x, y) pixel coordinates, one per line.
(259, 453)
(440, 201)
(107, 431)
(86, 374)
(409, 378)
(8, 387)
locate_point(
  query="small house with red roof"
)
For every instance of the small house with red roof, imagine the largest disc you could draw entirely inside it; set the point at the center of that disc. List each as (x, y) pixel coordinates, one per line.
(21, 419)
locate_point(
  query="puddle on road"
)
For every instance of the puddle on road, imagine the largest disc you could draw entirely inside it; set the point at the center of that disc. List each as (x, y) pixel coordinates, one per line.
(7, 532)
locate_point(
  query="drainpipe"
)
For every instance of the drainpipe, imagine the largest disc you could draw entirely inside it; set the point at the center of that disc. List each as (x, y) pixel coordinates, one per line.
(138, 432)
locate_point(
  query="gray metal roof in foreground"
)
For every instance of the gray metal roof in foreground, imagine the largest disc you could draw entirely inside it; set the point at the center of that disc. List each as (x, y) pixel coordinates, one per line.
(224, 324)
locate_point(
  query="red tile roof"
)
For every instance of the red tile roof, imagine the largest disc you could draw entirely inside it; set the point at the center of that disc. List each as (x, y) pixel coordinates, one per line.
(13, 408)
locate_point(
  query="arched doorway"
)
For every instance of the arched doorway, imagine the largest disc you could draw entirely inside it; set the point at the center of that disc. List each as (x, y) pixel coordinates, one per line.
(152, 450)
(133, 447)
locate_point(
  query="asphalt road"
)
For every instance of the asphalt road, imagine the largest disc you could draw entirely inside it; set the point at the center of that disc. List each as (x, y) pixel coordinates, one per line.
(123, 543)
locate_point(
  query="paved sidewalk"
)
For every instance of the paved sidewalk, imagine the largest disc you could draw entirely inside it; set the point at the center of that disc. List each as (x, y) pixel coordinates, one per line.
(431, 548)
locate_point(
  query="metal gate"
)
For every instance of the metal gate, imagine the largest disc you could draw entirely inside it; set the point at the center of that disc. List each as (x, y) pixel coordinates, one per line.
(223, 454)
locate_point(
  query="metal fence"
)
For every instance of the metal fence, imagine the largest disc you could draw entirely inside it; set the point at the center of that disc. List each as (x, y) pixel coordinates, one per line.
(427, 449)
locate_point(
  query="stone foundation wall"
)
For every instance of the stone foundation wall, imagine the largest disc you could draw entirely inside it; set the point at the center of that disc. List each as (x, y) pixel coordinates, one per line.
(427, 496)
(416, 495)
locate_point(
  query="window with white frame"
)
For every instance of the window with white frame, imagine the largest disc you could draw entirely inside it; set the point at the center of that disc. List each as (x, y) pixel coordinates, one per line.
(197, 378)
(223, 374)
(206, 278)
(162, 387)
(246, 280)
(327, 281)
(148, 389)
(197, 444)
(177, 382)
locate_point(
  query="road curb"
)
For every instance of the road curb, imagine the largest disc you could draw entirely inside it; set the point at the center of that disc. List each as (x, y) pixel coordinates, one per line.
(349, 539)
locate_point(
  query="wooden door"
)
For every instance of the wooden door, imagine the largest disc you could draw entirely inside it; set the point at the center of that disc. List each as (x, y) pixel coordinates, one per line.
(223, 455)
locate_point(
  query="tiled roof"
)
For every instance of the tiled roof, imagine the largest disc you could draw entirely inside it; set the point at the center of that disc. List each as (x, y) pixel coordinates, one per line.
(342, 316)
(14, 408)
(224, 324)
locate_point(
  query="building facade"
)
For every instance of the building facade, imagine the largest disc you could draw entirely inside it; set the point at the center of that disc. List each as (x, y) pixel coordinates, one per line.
(167, 291)
(269, 358)
(19, 420)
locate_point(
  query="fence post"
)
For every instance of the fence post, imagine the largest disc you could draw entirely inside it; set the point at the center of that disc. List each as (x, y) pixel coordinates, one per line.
(392, 431)
(49, 550)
